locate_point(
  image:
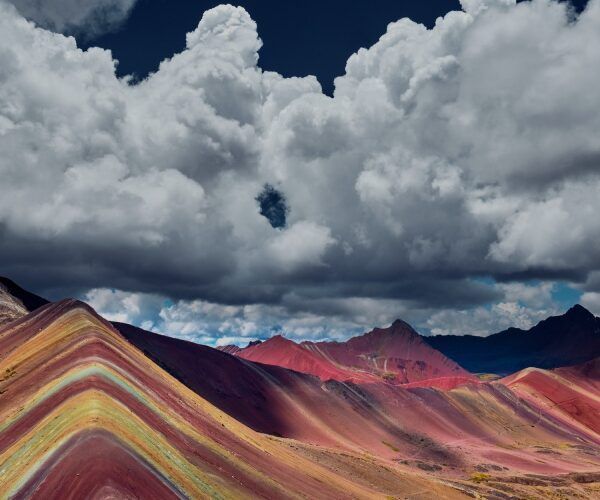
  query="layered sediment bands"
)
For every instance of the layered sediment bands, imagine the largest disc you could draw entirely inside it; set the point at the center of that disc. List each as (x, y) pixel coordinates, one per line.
(95, 464)
(84, 414)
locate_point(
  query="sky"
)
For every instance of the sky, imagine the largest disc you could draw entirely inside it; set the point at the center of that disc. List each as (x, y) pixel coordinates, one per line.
(300, 38)
(302, 169)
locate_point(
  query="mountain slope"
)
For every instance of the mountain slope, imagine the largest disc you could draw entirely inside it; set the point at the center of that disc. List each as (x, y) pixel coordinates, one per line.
(571, 393)
(453, 431)
(570, 339)
(278, 401)
(15, 301)
(84, 414)
(396, 355)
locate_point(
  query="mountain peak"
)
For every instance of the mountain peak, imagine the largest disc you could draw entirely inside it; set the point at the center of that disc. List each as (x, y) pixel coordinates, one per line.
(579, 312)
(400, 327)
(274, 340)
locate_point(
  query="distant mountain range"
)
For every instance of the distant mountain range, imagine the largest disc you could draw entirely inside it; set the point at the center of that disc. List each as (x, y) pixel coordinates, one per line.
(101, 410)
(399, 355)
(396, 355)
(570, 339)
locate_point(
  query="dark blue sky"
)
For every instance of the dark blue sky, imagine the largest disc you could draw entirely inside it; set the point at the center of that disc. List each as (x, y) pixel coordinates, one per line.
(300, 37)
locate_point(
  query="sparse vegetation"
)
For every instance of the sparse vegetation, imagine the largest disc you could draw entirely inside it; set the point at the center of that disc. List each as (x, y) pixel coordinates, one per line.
(480, 477)
(389, 376)
(10, 372)
(391, 446)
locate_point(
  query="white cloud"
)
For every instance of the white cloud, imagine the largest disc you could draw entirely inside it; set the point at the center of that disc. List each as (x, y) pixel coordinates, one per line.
(557, 232)
(194, 320)
(124, 307)
(446, 154)
(217, 324)
(303, 245)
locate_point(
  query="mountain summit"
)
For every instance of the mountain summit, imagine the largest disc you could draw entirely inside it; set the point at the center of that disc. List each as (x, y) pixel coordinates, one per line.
(579, 313)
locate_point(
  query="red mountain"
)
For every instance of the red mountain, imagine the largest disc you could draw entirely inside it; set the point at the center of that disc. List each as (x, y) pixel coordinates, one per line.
(570, 393)
(85, 414)
(460, 427)
(397, 355)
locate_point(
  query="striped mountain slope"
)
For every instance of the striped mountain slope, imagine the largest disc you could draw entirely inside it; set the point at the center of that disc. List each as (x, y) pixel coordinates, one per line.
(84, 414)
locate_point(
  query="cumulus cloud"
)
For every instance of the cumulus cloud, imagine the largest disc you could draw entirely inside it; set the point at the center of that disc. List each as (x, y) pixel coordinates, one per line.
(88, 18)
(125, 307)
(591, 293)
(446, 154)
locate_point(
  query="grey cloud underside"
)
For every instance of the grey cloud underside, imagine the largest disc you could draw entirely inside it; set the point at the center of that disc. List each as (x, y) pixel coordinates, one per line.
(447, 154)
(86, 18)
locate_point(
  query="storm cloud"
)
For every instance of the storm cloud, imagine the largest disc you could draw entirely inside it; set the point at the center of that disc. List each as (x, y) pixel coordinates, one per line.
(446, 155)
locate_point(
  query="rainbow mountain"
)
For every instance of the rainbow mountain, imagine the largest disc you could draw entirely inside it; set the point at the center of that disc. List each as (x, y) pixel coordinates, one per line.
(85, 414)
(90, 410)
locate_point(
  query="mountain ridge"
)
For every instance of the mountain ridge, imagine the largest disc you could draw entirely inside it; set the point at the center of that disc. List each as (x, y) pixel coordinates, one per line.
(503, 352)
(568, 339)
